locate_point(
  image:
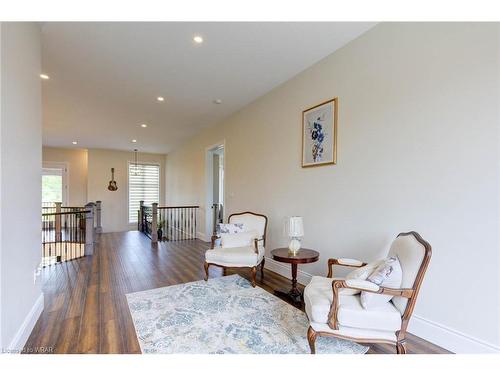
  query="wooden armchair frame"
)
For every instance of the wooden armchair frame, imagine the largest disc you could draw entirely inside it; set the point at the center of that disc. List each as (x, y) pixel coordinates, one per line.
(342, 262)
(253, 270)
(409, 293)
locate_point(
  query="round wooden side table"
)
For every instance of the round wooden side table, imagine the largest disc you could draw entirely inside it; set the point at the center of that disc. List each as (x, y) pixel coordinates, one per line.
(303, 256)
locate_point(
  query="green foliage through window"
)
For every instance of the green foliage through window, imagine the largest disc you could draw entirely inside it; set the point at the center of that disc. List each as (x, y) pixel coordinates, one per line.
(52, 188)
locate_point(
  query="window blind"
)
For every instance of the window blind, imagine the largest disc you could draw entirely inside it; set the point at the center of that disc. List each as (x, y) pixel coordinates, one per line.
(143, 184)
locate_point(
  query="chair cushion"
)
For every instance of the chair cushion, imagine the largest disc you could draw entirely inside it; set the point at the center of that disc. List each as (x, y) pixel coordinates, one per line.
(318, 296)
(235, 256)
(357, 333)
(326, 283)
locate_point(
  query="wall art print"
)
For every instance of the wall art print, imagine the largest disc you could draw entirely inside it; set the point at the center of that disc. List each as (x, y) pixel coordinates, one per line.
(319, 134)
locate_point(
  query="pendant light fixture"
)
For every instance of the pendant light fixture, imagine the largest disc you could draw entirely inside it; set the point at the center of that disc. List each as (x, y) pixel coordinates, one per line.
(136, 167)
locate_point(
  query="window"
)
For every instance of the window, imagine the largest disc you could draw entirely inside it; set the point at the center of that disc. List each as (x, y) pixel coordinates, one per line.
(53, 184)
(143, 184)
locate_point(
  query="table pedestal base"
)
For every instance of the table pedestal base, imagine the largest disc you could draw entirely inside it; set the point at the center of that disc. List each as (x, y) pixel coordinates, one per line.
(294, 294)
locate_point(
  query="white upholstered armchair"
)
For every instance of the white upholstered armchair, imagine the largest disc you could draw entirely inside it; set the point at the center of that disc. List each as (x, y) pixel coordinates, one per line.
(332, 312)
(242, 250)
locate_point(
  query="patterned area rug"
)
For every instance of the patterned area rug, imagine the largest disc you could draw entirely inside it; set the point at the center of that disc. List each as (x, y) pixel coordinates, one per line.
(223, 315)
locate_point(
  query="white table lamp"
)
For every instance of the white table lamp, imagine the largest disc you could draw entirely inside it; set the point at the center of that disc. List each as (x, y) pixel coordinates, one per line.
(296, 232)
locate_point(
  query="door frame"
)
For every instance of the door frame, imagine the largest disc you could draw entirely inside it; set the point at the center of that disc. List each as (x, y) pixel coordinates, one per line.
(209, 185)
(65, 177)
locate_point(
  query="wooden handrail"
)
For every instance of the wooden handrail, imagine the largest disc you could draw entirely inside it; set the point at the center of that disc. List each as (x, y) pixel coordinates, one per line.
(64, 213)
(54, 206)
(166, 207)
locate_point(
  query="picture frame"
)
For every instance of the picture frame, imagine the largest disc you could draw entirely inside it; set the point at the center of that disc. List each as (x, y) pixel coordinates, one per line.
(319, 134)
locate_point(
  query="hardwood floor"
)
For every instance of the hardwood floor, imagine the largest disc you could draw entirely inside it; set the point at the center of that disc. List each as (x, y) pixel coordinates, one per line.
(85, 306)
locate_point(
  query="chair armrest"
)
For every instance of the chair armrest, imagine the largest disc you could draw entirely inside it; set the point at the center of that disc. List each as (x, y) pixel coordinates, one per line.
(256, 244)
(212, 244)
(363, 286)
(343, 262)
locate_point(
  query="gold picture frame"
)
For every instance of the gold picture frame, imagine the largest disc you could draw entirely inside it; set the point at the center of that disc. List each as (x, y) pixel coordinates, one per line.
(319, 134)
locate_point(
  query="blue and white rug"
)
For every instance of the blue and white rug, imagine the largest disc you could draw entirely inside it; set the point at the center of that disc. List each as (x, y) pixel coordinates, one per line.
(223, 315)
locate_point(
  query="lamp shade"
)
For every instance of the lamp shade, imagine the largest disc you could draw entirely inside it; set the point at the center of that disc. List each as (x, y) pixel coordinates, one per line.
(295, 226)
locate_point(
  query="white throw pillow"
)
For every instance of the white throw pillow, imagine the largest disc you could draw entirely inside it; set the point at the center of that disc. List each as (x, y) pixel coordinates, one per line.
(238, 239)
(227, 229)
(360, 273)
(388, 274)
(230, 228)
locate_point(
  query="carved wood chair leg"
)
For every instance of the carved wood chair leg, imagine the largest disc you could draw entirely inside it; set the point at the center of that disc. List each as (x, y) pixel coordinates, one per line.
(253, 272)
(401, 347)
(206, 271)
(262, 268)
(311, 337)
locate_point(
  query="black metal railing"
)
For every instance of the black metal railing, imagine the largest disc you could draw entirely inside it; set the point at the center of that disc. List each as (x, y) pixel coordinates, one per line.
(68, 232)
(169, 223)
(63, 236)
(47, 208)
(146, 220)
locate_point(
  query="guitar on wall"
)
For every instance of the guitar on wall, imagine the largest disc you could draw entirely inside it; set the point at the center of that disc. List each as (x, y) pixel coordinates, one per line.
(112, 184)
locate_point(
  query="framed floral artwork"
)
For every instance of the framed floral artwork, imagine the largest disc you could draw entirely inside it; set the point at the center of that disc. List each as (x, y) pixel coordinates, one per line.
(319, 134)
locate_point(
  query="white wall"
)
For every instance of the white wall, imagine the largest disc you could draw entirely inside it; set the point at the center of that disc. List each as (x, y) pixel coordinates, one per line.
(1, 206)
(21, 163)
(417, 150)
(115, 203)
(76, 160)
(89, 175)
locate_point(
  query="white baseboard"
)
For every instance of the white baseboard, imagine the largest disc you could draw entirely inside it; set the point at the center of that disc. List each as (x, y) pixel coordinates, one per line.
(449, 338)
(202, 237)
(439, 334)
(23, 333)
(284, 270)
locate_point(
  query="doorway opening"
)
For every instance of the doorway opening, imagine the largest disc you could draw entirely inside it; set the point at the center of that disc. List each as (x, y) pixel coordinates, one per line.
(54, 183)
(215, 188)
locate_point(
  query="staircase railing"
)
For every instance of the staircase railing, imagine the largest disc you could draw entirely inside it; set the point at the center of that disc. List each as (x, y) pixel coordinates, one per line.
(146, 219)
(168, 223)
(69, 232)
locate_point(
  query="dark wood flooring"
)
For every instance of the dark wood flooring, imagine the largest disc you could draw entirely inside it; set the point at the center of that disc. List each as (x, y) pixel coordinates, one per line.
(85, 306)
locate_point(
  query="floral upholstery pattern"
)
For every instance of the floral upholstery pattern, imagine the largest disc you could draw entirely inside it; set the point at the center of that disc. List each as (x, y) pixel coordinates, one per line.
(230, 228)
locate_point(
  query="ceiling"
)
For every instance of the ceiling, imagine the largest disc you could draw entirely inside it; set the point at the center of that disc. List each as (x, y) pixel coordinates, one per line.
(105, 77)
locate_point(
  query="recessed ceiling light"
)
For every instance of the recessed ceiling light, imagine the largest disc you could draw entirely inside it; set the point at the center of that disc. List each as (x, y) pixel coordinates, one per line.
(134, 140)
(160, 98)
(217, 101)
(198, 39)
(144, 125)
(75, 142)
(44, 76)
